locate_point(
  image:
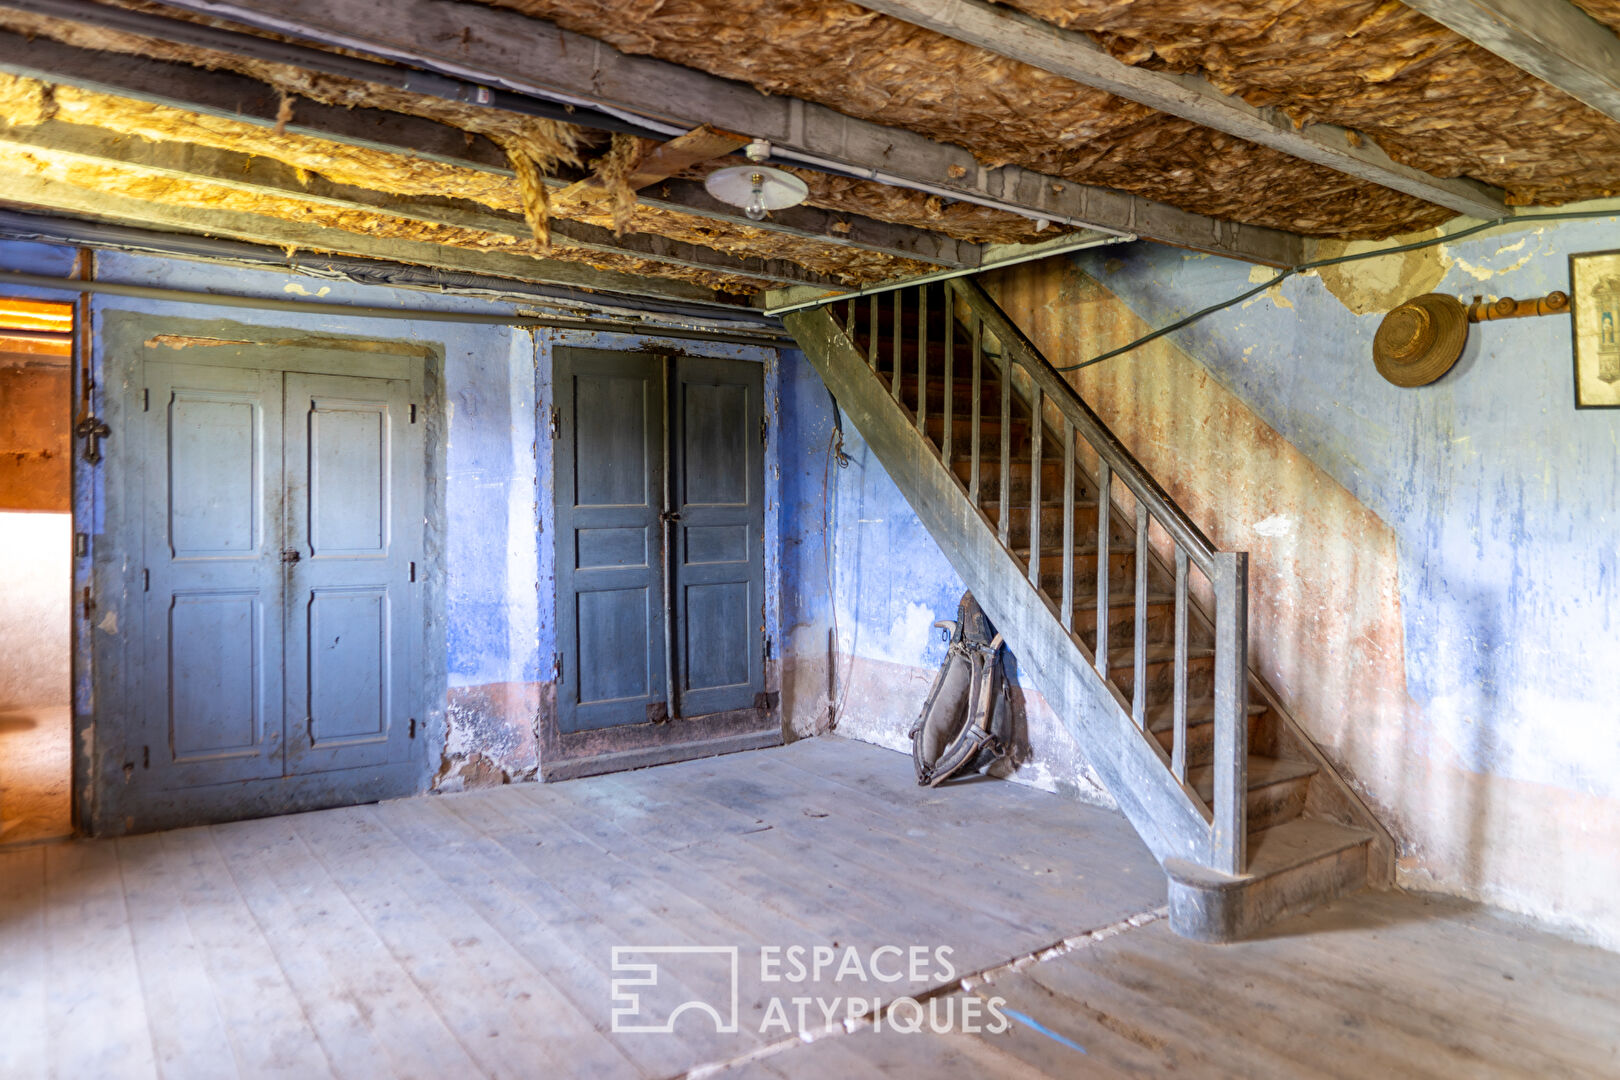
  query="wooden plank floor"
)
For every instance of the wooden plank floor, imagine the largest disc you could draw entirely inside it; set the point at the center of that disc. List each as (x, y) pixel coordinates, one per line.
(35, 773)
(474, 935)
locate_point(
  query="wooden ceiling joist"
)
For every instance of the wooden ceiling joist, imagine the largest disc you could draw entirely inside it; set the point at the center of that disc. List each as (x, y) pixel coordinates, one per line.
(1553, 40)
(267, 178)
(39, 193)
(237, 97)
(509, 50)
(1075, 56)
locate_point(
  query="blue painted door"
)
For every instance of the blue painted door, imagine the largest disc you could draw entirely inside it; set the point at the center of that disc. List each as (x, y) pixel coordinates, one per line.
(719, 534)
(349, 507)
(611, 599)
(213, 576)
(659, 545)
(282, 530)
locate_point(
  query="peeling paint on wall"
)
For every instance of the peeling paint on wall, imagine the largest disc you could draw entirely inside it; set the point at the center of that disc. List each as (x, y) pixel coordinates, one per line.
(1495, 755)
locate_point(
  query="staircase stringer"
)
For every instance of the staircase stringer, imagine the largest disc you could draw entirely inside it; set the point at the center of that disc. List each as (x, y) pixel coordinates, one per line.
(1131, 765)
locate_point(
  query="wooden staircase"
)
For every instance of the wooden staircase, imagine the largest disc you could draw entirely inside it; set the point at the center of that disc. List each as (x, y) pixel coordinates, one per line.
(1132, 625)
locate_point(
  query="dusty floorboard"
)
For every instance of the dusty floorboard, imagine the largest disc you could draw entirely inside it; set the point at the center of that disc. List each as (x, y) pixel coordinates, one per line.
(473, 935)
(35, 770)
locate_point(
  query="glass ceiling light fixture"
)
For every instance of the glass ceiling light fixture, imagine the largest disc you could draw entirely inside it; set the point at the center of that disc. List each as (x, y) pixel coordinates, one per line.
(757, 188)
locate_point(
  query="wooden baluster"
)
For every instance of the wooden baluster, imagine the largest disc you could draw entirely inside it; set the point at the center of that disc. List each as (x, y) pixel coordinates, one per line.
(899, 345)
(1229, 831)
(1178, 743)
(973, 467)
(1104, 479)
(922, 359)
(1139, 690)
(1004, 514)
(872, 345)
(1035, 488)
(948, 413)
(1068, 525)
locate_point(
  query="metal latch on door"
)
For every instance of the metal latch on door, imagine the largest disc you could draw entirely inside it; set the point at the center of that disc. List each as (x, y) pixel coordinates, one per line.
(290, 555)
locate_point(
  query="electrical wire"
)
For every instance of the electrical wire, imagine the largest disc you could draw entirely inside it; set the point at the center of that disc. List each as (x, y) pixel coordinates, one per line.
(829, 516)
(1180, 324)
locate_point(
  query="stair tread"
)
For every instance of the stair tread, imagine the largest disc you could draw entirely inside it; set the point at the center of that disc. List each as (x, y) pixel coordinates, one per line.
(1158, 652)
(1124, 599)
(1263, 772)
(1297, 842)
(1199, 711)
(1048, 506)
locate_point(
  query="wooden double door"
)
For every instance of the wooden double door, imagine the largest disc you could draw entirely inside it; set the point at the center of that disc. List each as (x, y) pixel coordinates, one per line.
(281, 528)
(660, 560)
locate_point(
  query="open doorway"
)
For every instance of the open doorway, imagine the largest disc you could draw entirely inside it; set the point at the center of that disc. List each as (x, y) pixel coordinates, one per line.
(36, 535)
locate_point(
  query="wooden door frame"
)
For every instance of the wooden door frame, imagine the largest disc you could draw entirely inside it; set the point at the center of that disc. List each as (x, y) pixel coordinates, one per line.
(588, 753)
(108, 589)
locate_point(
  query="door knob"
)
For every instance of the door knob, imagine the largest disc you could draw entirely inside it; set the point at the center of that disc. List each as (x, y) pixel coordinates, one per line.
(290, 555)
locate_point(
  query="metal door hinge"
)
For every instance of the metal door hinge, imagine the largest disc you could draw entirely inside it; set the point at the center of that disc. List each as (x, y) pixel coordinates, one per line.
(146, 580)
(81, 544)
(556, 422)
(767, 646)
(413, 412)
(146, 400)
(413, 571)
(89, 604)
(764, 425)
(412, 730)
(92, 430)
(556, 668)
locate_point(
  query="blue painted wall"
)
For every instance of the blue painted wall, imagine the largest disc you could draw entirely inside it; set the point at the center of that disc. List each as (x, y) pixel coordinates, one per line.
(496, 560)
(1503, 497)
(888, 583)
(1498, 767)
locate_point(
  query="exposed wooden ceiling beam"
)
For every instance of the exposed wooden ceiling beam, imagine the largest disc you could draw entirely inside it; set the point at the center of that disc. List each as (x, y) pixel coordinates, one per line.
(659, 163)
(1075, 56)
(236, 97)
(258, 175)
(34, 193)
(531, 56)
(27, 189)
(1553, 40)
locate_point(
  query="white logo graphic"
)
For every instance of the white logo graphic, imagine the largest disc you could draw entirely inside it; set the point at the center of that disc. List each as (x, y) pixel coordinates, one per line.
(630, 1016)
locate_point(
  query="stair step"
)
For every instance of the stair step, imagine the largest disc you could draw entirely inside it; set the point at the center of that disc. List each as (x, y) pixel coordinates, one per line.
(1200, 729)
(1292, 867)
(1276, 792)
(1122, 654)
(1163, 717)
(1123, 600)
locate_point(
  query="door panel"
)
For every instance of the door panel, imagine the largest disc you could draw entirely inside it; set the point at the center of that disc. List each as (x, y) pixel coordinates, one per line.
(349, 478)
(610, 577)
(350, 601)
(212, 630)
(718, 492)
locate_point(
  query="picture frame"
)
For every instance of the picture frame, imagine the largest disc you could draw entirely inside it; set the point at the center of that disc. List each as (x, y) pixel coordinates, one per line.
(1594, 290)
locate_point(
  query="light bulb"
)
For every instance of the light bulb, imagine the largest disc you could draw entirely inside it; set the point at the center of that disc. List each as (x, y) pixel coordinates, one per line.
(755, 210)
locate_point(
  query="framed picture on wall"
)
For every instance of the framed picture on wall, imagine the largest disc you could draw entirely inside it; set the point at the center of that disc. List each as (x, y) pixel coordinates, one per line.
(1594, 289)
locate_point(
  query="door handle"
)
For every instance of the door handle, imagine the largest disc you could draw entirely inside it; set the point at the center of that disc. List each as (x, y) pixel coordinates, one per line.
(290, 555)
(668, 516)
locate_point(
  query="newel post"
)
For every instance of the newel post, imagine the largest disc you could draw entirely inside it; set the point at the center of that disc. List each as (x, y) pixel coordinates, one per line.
(1229, 832)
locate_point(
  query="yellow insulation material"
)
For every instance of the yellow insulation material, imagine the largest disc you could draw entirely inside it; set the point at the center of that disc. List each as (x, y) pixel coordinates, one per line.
(961, 220)
(407, 175)
(170, 190)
